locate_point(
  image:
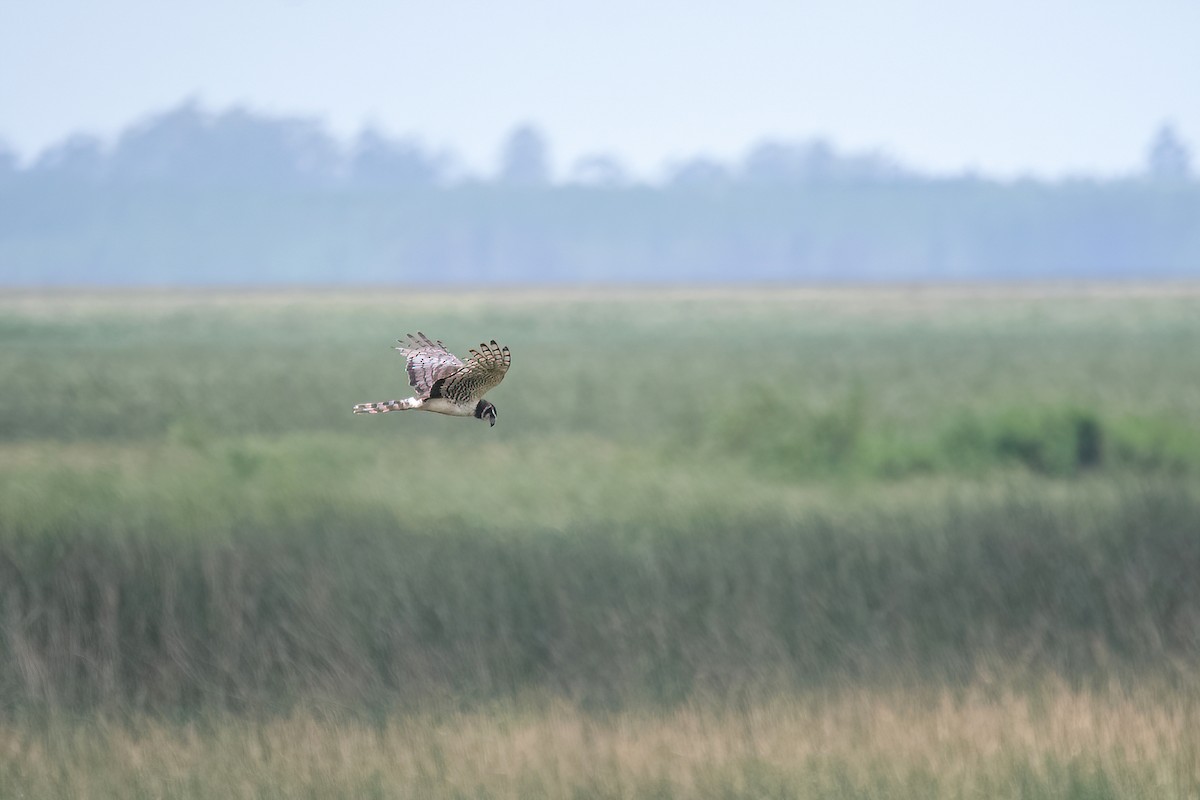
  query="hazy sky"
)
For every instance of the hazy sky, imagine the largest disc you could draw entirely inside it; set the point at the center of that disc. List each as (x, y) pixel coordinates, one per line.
(1021, 86)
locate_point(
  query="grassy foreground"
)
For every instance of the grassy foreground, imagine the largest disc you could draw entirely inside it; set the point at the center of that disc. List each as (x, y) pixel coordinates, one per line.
(720, 544)
(1049, 742)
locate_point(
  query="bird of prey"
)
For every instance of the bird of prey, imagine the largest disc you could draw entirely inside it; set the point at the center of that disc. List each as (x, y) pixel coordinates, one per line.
(445, 384)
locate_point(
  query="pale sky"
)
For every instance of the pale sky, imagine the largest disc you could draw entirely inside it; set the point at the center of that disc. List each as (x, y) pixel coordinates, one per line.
(1009, 88)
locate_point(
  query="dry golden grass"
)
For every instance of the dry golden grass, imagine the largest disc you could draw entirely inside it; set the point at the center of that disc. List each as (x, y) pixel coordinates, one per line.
(1052, 741)
(856, 301)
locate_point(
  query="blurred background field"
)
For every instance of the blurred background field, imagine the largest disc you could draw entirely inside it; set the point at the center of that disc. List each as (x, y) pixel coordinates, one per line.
(722, 542)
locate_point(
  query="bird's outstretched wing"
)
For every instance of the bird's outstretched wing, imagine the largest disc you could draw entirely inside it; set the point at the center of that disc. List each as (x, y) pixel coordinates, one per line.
(482, 371)
(428, 362)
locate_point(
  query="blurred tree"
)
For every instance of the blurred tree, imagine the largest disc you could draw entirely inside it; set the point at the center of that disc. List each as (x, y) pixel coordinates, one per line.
(774, 162)
(698, 172)
(380, 162)
(785, 162)
(599, 170)
(1168, 159)
(188, 146)
(79, 157)
(525, 158)
(166, 146)
(872, 168)
(81, 213)
(8, 162)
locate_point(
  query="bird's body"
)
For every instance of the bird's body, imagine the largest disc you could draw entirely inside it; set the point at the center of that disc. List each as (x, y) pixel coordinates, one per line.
(444, 383)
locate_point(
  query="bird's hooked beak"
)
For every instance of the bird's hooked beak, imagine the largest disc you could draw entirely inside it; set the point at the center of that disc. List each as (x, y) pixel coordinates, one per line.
(492, 418)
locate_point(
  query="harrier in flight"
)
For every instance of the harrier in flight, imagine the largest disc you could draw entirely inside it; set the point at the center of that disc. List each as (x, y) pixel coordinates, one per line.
(444, 383)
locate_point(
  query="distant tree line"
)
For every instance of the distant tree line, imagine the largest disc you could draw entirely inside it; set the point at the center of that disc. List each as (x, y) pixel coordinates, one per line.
(194, 196)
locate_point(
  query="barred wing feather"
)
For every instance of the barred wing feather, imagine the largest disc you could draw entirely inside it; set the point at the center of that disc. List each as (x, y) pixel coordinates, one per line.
(483, 370)
(428, 362)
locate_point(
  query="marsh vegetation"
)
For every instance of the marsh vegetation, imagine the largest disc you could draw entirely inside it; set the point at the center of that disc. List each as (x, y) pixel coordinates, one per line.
(722, 543)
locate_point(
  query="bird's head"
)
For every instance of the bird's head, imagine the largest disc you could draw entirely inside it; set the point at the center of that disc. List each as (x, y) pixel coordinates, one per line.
(485, 410)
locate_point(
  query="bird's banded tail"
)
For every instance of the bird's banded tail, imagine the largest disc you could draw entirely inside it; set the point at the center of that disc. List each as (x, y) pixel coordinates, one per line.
(387, 405)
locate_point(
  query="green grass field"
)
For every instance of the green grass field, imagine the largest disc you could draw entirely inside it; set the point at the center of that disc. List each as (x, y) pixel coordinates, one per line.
(845, 542)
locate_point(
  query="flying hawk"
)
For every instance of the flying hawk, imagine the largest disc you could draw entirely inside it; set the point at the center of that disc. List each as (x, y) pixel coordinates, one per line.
(444, 383)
